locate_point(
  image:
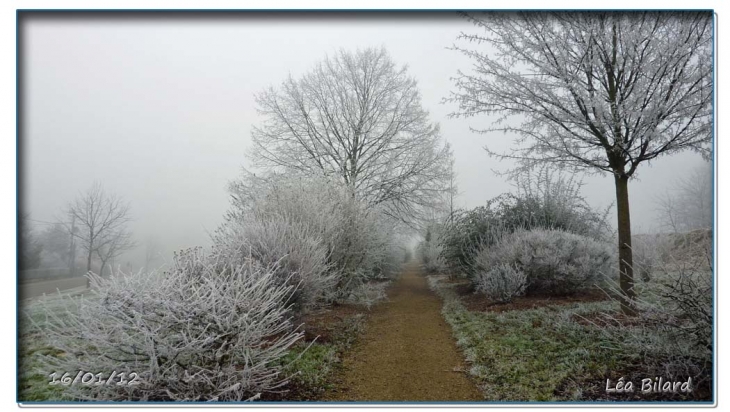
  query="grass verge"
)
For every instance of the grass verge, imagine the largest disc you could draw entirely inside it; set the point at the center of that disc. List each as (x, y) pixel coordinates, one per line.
(550, 353)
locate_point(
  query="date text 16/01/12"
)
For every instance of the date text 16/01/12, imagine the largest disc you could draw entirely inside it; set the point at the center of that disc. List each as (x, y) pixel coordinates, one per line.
(90, 378)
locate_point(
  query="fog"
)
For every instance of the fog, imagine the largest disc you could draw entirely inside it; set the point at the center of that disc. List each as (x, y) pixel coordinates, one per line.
(160, 109)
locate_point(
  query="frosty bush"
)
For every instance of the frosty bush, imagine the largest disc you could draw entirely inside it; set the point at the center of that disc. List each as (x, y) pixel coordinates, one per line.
(675, 319)
(368, 294)
(652, 252)
(207, 329)
(648, 252)
(500, 283)
(430, 254)
(430, 249)
(361, 242)
(554, 261)
(373, 246)
(463, 235)
(549, 199)
(298, 256)
(543, 200)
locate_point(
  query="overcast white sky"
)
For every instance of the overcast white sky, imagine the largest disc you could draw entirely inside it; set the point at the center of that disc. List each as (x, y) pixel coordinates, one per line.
(160, 109)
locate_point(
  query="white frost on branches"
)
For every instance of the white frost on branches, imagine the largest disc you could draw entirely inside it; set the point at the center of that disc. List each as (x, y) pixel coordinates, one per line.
(358, 242)
(356, 117)
(207, 329)
(596, 91)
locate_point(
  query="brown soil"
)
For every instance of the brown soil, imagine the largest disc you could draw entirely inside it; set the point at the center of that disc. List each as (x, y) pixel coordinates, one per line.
(407, 352)
(477, 302)
(322, 325)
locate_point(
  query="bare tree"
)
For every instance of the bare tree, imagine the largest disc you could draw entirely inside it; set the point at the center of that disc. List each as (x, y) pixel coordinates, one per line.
(599, 92)
(453, 189)
(29, 249)
(153, 252)
(100, 220)
(56, 245)
(113, 245)
(358, 117)
(688, 205)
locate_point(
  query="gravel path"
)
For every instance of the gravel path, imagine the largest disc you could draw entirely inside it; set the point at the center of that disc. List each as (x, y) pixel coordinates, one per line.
(407, 353)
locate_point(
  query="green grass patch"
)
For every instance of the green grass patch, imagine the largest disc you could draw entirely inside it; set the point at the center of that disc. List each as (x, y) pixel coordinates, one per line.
(311, 366)
(533, 355)
(32, 378)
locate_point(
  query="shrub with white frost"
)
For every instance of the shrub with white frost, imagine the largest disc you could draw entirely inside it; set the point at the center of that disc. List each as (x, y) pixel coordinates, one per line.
(298, 256)
(430, 249)
(673, 331)
(207, 329)
(500, 283)
(359, 239)
(430, 254)
(554, 261)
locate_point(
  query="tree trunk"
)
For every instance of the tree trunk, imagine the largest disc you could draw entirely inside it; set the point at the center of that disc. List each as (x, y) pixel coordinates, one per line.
(625, 255)
(88, 269)
(72, 249)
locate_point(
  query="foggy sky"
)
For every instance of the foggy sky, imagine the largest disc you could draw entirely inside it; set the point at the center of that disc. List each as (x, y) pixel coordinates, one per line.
(160, 110)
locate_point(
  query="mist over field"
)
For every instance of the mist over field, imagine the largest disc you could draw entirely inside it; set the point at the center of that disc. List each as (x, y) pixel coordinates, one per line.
(160, 109)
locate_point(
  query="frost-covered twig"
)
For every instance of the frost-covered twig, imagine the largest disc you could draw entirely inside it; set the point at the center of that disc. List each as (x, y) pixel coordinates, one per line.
(204, 330)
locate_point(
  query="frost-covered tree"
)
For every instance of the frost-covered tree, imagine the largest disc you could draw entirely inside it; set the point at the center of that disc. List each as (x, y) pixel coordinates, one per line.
(599, 92)
(29, 249)
(112, 245)
(688, 204)
(100, 221)
(56, 243)
(453, 189)
(358, 117)
(153, 252)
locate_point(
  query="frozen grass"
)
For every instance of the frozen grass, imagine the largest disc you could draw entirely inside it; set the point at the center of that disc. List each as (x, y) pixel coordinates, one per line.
(32, 377)
(33, 344)
(553, 353)
(312, 367)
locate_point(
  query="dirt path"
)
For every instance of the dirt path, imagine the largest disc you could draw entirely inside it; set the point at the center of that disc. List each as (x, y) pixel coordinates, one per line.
(407, 353)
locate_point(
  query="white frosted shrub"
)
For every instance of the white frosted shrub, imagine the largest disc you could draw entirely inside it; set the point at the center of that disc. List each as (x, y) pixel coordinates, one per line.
(204, 330)
(430, 255)
(554, 261)
(368, 294)
(298, 255)
(379, 241)
(360, 241)
(500, 283)
(675, 319)
(430, 249)
(648, 251)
